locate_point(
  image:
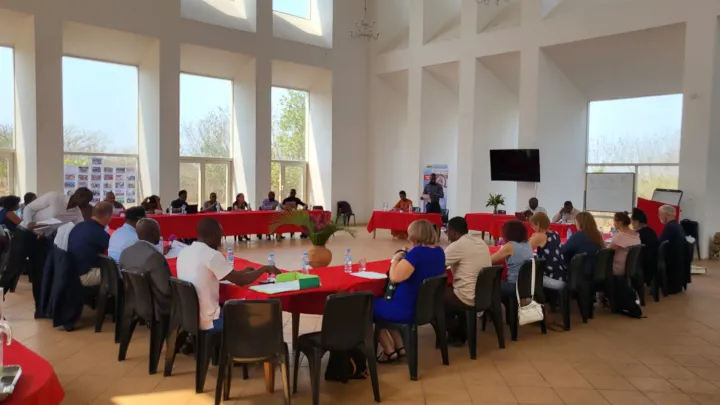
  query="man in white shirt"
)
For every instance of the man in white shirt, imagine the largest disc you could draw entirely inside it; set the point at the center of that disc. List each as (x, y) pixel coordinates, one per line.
(204, 266)
(126, 235)
(466, 256)
(567, 214)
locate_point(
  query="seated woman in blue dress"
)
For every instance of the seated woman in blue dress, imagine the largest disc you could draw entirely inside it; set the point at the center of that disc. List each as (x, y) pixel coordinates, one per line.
(8, 218)
(515, 252)
(408, 271)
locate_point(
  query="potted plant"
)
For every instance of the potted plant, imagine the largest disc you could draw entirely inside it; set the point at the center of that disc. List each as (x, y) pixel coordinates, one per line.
(495, 201)
(318, 231)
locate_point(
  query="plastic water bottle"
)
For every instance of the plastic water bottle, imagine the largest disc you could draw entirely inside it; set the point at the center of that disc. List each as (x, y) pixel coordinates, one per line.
(602, 232)
(348, 261)
(564, 218)
(569, 233)
(217, 207)
(271, 262)
(230, 257)
(613, 231)
(305, 265)
(184, 211)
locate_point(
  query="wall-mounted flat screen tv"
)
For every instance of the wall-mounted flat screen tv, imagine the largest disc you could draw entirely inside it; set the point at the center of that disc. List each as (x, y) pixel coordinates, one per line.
(515, 165)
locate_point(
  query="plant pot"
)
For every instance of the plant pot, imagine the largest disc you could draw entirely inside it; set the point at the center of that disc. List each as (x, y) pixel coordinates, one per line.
(319, 256)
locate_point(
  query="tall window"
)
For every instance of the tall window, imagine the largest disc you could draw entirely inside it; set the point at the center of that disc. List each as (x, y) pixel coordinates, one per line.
(289, 145)
(298, 8)
(205, 137)
(7, 120)
(638, 135)
(100, 114)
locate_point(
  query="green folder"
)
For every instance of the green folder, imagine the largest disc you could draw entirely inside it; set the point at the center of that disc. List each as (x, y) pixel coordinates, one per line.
(305, 280)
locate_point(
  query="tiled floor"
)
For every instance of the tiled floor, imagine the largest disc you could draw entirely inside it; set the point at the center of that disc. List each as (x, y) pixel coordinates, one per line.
(671, 357)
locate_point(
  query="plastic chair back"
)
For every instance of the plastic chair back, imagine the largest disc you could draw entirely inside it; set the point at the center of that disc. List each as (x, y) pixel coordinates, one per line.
(109, 275)
(138, 285)
(662, 254)
(318, 207)
(632, 261)
(485, 286)
(186, 304)
(252, 329)
(431, 293)
(344, 207)
(604, 264)
(576, 271)
(347, 321)
(523, 280)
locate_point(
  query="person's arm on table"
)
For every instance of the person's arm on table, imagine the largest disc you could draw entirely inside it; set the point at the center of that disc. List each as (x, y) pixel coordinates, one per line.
(249, 274)
(504, 252)
(557, 217)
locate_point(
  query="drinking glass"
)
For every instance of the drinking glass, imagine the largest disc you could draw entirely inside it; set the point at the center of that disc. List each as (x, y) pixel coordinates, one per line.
(363, 264)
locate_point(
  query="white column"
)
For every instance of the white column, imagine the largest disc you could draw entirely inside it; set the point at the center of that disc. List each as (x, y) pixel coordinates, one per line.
(39, 112)
(701, 125)
(244, 132)
(528, 126)
(410, 145)
(159, 124)
(263, 107)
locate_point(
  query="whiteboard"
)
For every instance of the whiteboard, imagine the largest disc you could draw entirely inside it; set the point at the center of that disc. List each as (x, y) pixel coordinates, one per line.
(609, 192)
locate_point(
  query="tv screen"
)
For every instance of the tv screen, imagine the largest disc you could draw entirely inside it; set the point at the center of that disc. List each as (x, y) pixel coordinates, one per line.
(515, 165)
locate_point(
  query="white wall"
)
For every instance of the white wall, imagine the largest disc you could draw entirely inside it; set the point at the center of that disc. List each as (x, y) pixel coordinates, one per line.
(439, 126)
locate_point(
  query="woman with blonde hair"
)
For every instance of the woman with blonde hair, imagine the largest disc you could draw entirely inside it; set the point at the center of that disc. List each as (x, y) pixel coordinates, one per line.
(408, 269)
(587, 239)
(548, 244)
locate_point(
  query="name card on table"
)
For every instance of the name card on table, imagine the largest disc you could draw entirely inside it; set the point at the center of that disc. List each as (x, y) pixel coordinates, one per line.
(304, 280)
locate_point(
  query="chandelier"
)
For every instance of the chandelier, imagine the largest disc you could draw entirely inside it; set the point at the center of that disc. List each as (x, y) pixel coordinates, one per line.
(364, 29)
(487, 2)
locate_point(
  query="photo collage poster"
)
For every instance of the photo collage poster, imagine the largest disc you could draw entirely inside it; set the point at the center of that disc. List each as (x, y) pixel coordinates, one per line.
(101, 179)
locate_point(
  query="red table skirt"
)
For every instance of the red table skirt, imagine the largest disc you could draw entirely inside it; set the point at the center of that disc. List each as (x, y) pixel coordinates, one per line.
(233, 223)
(484, 222)
(399, 221)
(38, 384)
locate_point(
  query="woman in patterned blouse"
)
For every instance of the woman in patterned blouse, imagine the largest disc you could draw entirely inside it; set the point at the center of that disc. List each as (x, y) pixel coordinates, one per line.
(548, 244)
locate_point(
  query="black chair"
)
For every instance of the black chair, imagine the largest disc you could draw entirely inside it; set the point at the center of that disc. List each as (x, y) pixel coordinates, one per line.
(347, 325)
(141, 306)
(445, 216)
(659, 282)
(634, 271)
(430, 308)
(345, 211)
(487, 300)
(112, 291)
(603, 279)
(318, 207)
(252, 333)
(523, 286)
(185, 317)
(579, 285)
(417, 210)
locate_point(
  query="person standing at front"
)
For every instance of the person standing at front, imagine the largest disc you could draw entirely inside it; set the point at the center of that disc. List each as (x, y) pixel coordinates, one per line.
(435, 192)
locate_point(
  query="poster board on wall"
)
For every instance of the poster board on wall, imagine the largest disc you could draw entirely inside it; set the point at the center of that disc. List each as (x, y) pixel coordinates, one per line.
(101, 179)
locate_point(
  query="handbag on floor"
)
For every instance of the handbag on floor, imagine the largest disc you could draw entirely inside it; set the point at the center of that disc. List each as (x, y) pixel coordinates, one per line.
(345, 366)
(532, 312)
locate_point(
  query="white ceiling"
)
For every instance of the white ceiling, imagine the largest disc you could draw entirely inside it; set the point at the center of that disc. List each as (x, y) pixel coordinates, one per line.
(635, 64)
(506, 67)
(393, 22)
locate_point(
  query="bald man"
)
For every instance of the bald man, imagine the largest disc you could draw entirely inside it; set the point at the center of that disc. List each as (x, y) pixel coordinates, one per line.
(87, 240)
(145, 257)
(204, 266)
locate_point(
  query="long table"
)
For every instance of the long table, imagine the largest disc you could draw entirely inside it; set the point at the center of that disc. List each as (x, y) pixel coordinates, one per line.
(184, 226)
(38, 384)
(493, 224)
(399, 221)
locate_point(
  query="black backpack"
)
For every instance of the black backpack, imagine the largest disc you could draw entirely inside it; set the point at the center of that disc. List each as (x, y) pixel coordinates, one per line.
(626, 299)
(345, 366)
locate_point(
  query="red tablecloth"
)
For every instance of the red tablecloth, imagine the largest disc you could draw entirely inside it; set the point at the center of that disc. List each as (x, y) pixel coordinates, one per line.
(311, 301)
(399, 221)
(484, 222)
(38, 384)
(233, 223)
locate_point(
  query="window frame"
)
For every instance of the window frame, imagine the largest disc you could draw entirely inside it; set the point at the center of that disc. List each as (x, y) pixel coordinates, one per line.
(202, 161)
(308, 18)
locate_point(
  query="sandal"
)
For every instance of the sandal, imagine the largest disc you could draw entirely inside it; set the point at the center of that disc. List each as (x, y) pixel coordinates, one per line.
(400, 355)
(388, 357)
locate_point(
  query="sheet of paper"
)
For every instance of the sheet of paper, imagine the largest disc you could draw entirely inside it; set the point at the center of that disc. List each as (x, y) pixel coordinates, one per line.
(371, 275)
(277, 288)
(224, 282)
